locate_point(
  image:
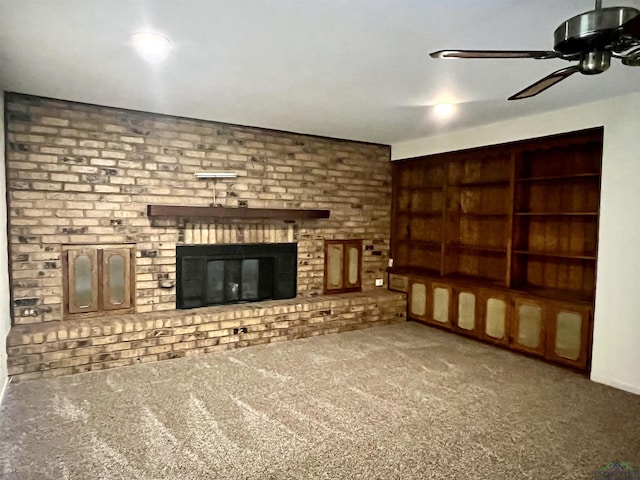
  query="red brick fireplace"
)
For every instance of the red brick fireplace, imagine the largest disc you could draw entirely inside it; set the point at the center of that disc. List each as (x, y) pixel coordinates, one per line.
(83, 176)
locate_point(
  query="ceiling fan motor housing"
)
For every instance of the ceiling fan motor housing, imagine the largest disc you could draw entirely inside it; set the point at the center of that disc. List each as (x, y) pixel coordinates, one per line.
(591, 37)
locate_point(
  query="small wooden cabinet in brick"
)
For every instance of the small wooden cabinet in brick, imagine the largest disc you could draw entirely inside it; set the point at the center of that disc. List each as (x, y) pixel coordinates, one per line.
(98, 279)
(342, 266)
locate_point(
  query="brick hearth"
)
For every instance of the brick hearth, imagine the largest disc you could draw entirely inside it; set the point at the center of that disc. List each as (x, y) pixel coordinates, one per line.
(61, 348)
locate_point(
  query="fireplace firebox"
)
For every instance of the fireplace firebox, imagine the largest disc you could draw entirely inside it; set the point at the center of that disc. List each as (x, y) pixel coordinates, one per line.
(239, 273)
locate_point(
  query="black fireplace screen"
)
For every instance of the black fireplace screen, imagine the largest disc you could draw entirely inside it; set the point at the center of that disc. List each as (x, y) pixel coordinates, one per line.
(223, 274)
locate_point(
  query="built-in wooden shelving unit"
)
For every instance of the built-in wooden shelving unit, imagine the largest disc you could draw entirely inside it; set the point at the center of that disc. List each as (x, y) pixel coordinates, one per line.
(516, 224)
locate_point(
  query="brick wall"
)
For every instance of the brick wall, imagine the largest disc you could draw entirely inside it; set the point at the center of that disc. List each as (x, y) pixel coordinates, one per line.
(80, 173)
(83, 174)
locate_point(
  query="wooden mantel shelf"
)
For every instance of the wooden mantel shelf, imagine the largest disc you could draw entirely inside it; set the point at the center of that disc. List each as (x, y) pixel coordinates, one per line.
(233, 213)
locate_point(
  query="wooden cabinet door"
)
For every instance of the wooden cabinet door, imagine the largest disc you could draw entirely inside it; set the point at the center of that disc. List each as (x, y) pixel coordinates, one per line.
(568, 339)
(352, 264)
(430, 302)
(98, 279)
(465, 311)
(528, 325)
(82, 280)
(495, 315)
(334, 259)
(399, 283)
(116, 279)
(417, 304)
(440, 301)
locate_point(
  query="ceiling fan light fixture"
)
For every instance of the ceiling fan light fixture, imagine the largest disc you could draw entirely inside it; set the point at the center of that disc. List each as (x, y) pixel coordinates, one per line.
(152, 46)
(595, 62)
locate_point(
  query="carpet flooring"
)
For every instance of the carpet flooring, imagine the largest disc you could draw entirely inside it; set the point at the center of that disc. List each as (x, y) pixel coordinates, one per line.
(397, 402)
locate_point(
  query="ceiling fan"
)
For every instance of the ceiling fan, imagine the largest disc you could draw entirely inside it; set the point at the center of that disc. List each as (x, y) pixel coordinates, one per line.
(591, 38)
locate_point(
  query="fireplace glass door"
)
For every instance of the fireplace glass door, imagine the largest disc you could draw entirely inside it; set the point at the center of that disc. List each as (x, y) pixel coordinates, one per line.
(224, 274)
(232, 281)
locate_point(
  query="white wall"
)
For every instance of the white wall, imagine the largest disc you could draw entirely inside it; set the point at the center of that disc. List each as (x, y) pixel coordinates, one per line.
(5, 316)
(616, 343)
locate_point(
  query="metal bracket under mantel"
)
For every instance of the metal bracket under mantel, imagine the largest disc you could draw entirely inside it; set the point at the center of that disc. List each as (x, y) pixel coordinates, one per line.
(235, 213)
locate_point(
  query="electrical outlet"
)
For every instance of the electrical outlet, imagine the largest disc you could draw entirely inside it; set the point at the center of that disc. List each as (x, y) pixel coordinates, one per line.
(379, 282)
(390, 263)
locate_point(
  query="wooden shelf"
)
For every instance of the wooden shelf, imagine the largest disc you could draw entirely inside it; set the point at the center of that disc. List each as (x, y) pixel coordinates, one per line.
(426, 214)
(556, 214)
(478, 214)
(417, 271)
(481, 183)
(554, 293)
(477, 248)
(425, 188)
(420, 243)
(232, 213)
(569, 256)
(478, 281)
(577, 176)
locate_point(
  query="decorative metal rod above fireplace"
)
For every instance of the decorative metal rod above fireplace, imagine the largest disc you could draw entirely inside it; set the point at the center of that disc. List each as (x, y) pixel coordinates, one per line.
(214, 176)
(201, 175)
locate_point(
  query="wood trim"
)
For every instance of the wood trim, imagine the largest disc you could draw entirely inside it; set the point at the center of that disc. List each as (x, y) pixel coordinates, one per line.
(595, 134)
(235, 213)
(512, 196)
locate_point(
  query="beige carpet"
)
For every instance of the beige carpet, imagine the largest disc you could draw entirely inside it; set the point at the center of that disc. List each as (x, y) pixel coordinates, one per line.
(398, 402)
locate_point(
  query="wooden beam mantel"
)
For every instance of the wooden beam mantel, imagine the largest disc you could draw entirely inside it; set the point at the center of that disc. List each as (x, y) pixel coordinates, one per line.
(234, 213)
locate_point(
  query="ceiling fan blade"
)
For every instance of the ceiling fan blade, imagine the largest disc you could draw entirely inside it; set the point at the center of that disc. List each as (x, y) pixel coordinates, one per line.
(546, 82)
(632, 27)
(537, 54)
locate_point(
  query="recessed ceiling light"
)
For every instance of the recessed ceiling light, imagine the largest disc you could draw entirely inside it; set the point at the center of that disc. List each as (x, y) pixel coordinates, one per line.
(443, 111)
(153, 47)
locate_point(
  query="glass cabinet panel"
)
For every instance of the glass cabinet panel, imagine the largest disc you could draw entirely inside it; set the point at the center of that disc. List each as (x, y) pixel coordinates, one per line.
(466, 310)
(568, 341)
(334, 266)
(83, 284)
(441, 297)
(117, 279)
(418, 302)
(353, 266)
(529, 325)
(81, 273)
(496, 318)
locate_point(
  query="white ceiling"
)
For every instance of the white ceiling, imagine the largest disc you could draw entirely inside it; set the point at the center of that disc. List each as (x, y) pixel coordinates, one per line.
(356, 69)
